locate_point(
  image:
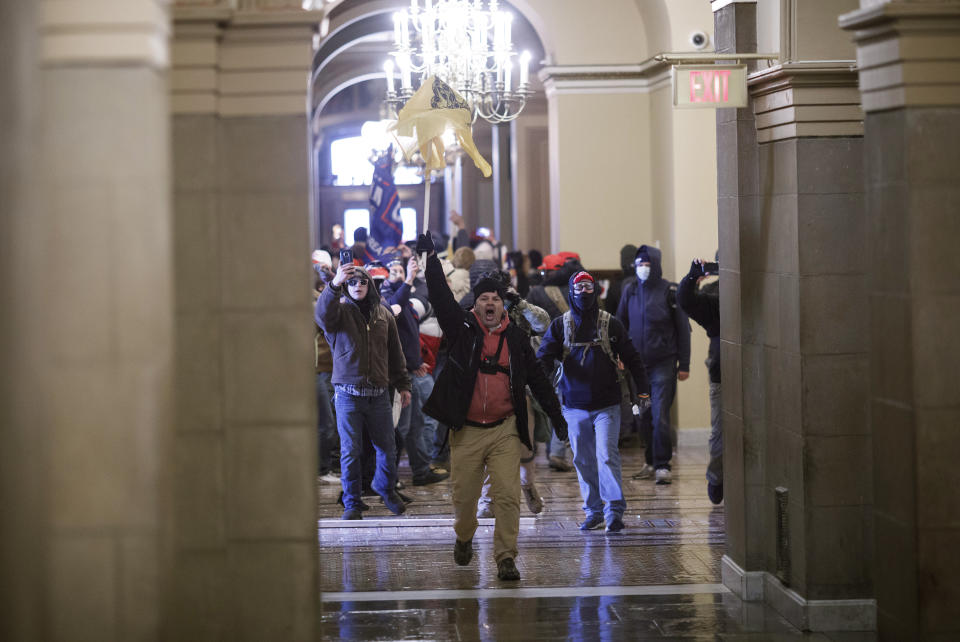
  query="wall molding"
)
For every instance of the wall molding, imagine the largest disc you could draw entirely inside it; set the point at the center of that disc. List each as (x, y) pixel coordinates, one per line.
(908, 54)
(806, 615)
(646, 77)
(717, 5)
(105, 32)
(806, 99)
(241, 63)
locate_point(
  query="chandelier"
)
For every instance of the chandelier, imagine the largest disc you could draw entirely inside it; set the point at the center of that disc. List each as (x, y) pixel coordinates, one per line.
(466, 46)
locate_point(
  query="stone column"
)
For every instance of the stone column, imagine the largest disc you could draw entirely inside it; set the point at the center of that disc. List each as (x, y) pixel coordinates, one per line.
(907, 53)
(245, 544)
(794, 337)
(91, 279)
(22, 438)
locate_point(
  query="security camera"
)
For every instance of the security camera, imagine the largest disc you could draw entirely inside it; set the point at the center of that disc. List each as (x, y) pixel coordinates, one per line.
(699, 40)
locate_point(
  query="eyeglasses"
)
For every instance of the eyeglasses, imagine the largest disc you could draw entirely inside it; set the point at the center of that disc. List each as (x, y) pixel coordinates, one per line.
(356, 282)
(586, 286)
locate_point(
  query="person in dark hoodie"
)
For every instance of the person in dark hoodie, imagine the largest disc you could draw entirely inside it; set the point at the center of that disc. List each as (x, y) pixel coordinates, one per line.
(481, 396)
(627, 254)
(367, 360)
(396, 292)
(588, 342)
(661, 333)
(699, 296)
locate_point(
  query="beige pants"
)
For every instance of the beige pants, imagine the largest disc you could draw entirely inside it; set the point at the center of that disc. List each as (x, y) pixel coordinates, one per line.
(475, 452)
(528, 470)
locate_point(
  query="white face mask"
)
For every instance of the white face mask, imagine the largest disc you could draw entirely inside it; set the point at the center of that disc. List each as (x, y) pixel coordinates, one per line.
(643, 272)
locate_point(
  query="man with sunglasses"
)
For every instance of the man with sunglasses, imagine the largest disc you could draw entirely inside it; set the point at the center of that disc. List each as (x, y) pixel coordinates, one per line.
(367, 360)
(481, 395)
(589, 343)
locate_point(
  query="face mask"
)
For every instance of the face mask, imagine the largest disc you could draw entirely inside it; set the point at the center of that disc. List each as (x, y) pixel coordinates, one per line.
(585, 300)
(643, 272)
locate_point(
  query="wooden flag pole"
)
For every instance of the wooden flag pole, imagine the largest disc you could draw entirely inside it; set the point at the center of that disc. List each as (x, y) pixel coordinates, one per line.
(426, 213)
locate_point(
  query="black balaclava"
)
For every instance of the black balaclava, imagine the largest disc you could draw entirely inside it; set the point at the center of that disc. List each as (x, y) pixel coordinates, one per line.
(584, 304)
(628, 254)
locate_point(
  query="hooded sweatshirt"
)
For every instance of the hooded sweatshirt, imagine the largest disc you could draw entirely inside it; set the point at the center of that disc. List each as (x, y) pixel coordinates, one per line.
(363, 338)
(398, 294)
(657, 326)
(491, 399)
(589, 377)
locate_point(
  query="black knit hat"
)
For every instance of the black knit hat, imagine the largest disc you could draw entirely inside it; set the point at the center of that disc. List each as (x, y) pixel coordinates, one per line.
(489, 284)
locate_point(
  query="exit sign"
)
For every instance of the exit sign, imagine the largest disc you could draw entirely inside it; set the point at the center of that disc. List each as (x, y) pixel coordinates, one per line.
(709, 86)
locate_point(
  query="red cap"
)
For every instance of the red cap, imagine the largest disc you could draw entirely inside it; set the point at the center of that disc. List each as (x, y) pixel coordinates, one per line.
(583, 276)
(568, 255)
(378, 272)
(551, 262)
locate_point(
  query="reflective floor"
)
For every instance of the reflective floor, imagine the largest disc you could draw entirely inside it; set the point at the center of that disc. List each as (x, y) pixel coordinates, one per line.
(393, 578)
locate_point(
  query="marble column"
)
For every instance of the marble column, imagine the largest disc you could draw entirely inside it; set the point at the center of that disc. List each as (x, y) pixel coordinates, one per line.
(91, 285)
(907, 54)
(245, 538)
(793, 273)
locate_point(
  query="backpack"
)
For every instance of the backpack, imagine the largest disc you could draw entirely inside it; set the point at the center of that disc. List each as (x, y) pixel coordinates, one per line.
(603, 340)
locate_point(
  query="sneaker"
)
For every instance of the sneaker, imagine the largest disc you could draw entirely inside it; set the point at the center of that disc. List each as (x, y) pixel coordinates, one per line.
(430, 477)
(507, 570)
(362, 506)
(560, 465)
(592, 523)
(533, 499)
(615, 525)
(328, 478)
(664, 476)
(352, 513)
(645, 473)
(484, 511)
(406, 498)
(463, 552)
(715, 493)
(395, 503)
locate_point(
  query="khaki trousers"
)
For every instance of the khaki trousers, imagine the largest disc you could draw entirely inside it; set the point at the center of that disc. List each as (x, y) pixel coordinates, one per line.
(475, 452)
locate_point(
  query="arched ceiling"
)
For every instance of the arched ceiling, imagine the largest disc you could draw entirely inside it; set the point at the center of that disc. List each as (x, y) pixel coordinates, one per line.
(359, 40)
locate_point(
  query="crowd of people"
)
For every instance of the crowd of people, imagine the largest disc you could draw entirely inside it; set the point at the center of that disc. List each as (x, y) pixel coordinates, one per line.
(467, 357)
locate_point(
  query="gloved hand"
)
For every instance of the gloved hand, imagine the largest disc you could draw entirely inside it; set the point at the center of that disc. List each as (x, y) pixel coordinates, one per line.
(560, 428)
(696, 269)
(643, 402)
(425, 245)
(512, 296)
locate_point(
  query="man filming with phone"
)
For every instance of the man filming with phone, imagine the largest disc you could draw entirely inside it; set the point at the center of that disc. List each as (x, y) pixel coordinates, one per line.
(367, 360)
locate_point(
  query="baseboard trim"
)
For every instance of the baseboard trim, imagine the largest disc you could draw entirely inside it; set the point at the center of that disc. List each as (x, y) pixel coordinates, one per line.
(806, 615)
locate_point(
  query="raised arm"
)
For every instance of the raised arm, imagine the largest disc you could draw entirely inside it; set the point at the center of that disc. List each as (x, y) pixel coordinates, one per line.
(449, 314)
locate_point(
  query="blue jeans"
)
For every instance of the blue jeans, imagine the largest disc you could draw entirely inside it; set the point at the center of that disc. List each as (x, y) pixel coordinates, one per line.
(655, 420)
(326, 428)
(715, 467)
(421, 389)
(375, 416)
(412, 425)
(593, 437)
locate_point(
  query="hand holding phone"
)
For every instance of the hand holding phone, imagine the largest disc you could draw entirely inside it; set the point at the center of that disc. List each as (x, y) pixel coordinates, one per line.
(346, 256)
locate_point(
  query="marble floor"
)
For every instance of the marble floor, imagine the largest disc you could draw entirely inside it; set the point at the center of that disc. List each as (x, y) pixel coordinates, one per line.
(393, 578)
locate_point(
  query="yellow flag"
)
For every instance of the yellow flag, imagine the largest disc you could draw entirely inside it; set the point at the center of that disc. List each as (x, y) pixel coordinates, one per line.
(433, 108)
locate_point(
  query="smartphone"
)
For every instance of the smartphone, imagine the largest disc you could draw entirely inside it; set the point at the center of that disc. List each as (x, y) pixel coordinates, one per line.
(483, 232)
(711, 268)
(346, 256)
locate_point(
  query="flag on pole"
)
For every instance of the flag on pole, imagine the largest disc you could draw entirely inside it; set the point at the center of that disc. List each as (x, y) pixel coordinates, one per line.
(431, 110)
(386, 225)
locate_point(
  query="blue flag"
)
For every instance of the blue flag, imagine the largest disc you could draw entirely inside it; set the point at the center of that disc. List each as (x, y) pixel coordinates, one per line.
(386, 226)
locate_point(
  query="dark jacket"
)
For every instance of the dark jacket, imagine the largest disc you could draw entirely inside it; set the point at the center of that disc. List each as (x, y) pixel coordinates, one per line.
(463, 334)
(627, 255)
(703, 306)
(364, 352)
(589, 380)
(657, 326)
(408, 327)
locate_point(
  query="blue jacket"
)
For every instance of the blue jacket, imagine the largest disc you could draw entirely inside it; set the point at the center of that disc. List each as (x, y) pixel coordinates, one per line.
(657, 326)
(408, 326)
(589, 380)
